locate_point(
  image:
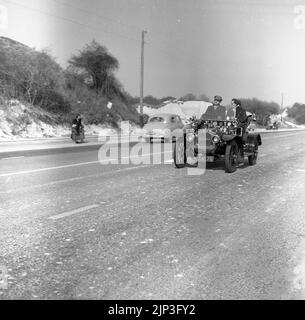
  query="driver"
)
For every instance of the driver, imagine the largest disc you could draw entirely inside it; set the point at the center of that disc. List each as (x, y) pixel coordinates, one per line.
(215, 111)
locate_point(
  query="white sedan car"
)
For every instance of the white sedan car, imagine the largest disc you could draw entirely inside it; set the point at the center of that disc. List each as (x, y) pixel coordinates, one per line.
(161, 126)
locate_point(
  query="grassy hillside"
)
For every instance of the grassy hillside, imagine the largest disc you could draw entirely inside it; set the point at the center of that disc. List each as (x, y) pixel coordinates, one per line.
(54, 95)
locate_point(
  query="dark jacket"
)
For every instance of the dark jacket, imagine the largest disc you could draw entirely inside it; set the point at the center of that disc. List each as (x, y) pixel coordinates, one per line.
(241, 116)
(212, 114)
(78, 123)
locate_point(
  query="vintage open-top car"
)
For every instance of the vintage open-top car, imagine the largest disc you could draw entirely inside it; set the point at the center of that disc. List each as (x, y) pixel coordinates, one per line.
(223, 140)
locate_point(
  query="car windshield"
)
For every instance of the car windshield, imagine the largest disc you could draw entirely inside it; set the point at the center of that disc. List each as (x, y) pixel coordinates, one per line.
(157, 119)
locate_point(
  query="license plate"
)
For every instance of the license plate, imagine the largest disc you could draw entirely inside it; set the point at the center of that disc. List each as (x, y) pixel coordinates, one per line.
(210, 158)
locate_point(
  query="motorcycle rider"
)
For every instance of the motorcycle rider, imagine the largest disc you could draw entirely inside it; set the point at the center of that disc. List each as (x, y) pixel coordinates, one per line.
(77, 123)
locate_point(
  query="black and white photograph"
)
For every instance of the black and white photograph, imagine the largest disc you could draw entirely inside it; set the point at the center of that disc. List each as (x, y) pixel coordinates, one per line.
(152, 150)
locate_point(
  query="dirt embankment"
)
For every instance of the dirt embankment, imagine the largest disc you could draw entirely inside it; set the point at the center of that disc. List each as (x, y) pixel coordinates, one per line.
(19, 121)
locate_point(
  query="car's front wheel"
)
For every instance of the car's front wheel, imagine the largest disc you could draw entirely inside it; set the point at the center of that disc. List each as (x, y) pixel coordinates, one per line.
(179, 153)
(231, 156)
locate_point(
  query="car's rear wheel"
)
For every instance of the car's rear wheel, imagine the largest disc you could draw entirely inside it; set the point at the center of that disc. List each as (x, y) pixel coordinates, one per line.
(231, 156)
(179, 153)
(253, 158)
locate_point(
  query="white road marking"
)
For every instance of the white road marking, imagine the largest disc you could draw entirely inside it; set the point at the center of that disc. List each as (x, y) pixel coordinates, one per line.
(300, 170)
(71, 179)
(70, 213)
(93, 162)
(72, 165)
(10, 158)
(46, 169)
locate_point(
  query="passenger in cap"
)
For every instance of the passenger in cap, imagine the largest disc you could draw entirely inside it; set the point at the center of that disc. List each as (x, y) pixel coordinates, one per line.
(215, 111)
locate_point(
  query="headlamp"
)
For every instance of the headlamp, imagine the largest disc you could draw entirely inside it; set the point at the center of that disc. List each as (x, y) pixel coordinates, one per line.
(189, 137)
(215, 139)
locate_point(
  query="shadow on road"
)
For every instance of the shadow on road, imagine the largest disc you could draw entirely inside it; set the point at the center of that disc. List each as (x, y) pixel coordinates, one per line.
(220, 165)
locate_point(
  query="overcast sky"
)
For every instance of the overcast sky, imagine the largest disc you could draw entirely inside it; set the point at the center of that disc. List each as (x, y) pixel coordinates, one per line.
(235, 48)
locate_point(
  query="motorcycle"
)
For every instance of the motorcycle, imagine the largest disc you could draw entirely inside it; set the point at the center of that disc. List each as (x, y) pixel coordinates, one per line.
(78, 136)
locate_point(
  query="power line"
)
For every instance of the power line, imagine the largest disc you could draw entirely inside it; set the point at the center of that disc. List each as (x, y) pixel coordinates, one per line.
(70, 20)
(100, 16)
(160, 49)
(152, 33)
(97, 15)
(170, 52)
(91, 28)
(167, 52)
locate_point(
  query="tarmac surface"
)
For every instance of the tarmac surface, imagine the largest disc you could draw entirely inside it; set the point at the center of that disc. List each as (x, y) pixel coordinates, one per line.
(74, 228)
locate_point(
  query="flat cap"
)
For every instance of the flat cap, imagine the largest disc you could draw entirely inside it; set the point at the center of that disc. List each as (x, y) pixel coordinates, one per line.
(218, 98)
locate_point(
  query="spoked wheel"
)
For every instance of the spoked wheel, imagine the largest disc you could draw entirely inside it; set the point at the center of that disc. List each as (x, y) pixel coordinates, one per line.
(231, 156)
(179, 153)
(253, 158)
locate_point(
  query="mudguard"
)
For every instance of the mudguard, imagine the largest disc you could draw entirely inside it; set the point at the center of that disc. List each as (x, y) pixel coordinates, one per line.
(228, 137)
(253, 137)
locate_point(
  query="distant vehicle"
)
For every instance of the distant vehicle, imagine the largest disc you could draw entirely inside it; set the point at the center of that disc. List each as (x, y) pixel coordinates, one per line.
(273, 126)
(161, 126)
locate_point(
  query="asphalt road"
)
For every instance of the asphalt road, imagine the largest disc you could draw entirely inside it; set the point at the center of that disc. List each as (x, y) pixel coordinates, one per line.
(72, 228)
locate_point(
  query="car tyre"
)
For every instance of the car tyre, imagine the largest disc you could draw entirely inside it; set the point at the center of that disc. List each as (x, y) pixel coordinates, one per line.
(253, 158)
(179, 153)
(231, 156)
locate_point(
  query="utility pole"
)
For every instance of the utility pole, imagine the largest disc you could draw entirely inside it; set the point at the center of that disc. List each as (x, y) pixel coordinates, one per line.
(142, 79)
(282, 106)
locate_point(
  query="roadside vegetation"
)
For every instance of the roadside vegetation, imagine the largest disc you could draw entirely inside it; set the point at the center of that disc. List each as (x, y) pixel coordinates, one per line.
(88, 85)
(297, 112)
